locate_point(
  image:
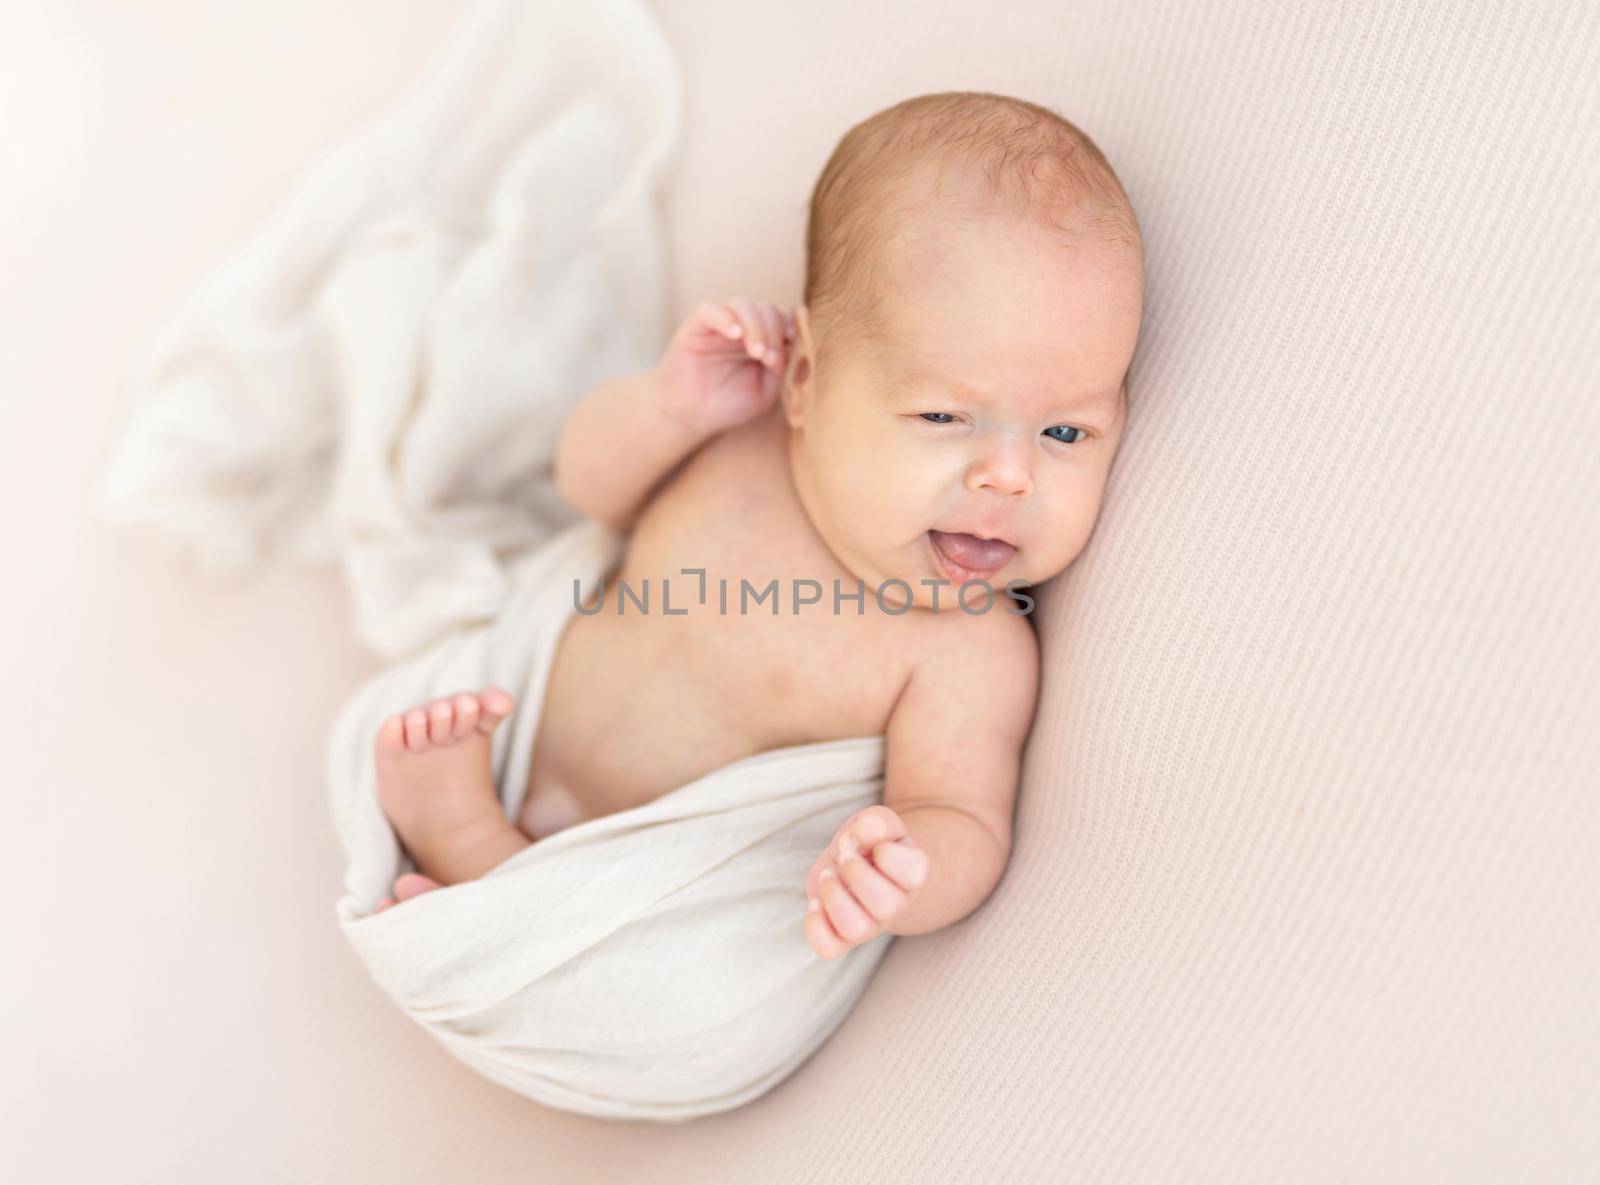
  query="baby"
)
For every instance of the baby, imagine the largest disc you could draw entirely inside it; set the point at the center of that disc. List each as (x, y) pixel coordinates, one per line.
(943, 408)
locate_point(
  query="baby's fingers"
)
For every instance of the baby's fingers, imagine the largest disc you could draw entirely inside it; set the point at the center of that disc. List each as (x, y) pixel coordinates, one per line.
(760, 343)
(879, 896)
(820, 933)
(776, 330)
(905, 866)
(716, 318)
(849, 920)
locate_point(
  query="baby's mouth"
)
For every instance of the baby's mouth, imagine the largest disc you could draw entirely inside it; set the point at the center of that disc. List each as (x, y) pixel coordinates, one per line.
(968, 557)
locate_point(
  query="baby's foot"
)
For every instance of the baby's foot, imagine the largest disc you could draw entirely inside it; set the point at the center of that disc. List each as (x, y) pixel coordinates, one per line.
(436, 785)
(407, 886)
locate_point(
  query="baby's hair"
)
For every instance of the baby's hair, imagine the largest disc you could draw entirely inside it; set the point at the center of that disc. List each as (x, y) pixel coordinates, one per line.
(1028, 160)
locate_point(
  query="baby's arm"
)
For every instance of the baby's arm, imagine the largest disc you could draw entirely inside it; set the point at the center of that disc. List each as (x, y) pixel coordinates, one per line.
(616, 447)
(723, 366)
(954, 750)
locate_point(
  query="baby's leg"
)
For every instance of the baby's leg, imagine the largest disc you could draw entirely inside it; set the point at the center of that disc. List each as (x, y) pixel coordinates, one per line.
(436, 785)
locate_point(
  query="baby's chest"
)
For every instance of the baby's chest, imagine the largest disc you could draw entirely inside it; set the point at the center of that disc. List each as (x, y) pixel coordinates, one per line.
(732, 677)
(768, 634)
(642, 703)
(679, 673)
(787, 676)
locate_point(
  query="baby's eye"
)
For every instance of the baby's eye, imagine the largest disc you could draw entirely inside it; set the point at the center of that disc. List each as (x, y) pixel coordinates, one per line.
(928, 415)
(1066, 428)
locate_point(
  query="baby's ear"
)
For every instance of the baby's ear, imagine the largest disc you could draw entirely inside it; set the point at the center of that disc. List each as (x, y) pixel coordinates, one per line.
(796, 392)
(797, 387)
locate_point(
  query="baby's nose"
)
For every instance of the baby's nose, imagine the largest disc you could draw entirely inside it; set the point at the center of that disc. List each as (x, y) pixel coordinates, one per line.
(1002, 469)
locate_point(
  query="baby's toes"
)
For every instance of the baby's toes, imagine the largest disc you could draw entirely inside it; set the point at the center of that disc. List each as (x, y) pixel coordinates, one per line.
(391, 739)
(495, 704)
(441, 721)
(416, 730)
(466, 714)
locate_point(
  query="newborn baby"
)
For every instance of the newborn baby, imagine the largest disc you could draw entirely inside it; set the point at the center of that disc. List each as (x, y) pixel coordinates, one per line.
(943, 408)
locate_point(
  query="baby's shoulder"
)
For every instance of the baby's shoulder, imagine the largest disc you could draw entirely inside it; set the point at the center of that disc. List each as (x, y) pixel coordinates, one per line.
(1001, 629)
(965, 650)
(965, 712)
(743, 466)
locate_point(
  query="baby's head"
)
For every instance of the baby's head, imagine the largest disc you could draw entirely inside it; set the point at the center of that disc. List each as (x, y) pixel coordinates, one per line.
(974, 287)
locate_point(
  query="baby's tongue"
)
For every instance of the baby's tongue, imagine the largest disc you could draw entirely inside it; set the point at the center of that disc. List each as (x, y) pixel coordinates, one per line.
(971, 552)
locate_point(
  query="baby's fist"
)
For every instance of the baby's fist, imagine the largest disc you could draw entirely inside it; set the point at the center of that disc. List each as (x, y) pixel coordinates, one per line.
(867, 877)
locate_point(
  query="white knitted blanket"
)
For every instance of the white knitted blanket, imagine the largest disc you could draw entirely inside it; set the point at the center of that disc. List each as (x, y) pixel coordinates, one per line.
(380, 379)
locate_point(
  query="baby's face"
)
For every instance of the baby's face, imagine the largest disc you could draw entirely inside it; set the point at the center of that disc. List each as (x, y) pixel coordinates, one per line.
(996, 413)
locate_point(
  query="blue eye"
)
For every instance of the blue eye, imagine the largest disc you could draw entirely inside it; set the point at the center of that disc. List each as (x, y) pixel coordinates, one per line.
(944, 417)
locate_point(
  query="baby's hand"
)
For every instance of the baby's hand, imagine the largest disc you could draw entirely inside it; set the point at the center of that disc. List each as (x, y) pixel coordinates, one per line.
(865, 880)
(725, 365)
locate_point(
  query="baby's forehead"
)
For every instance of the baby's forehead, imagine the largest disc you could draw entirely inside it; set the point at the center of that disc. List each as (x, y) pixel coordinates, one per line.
(950, 245)
(1026, 384)
(1020, 353)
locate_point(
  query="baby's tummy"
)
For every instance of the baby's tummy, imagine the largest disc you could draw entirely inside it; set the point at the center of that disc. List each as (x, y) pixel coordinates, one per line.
(640, 705)
(577, 775)
(624, 721)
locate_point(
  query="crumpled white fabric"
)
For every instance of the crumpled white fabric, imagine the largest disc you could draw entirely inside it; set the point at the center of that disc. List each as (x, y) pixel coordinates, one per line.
(650, 964)
(380, 379)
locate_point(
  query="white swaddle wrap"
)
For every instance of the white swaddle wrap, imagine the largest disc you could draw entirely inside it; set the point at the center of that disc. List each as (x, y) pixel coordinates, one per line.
(648, 964)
